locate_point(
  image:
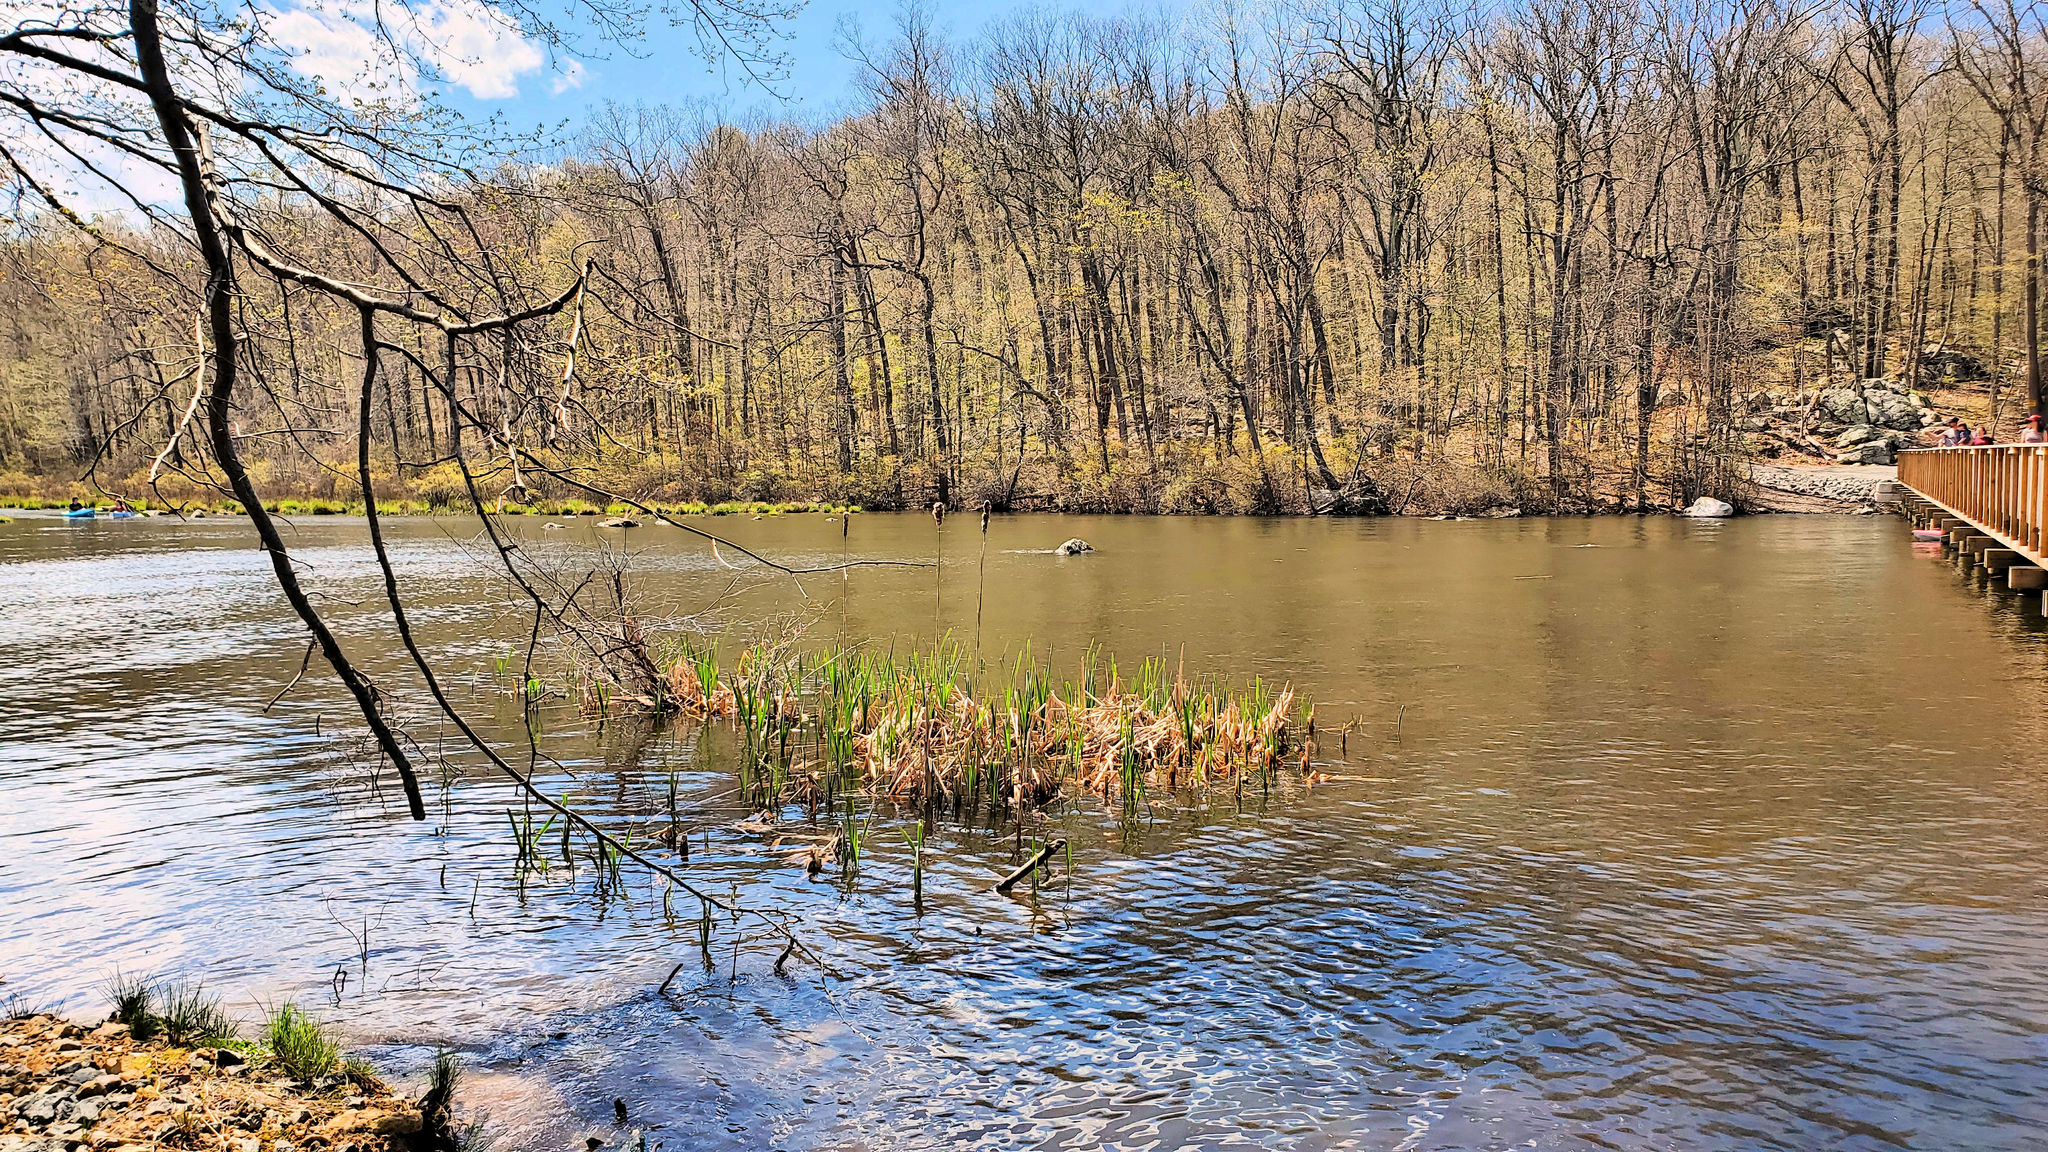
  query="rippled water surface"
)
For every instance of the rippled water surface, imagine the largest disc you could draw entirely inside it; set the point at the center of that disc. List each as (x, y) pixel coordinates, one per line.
(1651, 834)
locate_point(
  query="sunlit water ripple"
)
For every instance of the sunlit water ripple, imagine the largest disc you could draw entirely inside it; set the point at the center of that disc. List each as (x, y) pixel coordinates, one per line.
(1708, 837)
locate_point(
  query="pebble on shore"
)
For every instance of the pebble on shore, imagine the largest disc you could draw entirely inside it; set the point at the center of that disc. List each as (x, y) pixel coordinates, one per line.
(64, 1088)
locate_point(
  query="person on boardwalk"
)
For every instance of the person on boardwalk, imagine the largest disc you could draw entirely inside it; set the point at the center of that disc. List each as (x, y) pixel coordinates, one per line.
(1955, 434)
(1982, 437)
(2032, 434)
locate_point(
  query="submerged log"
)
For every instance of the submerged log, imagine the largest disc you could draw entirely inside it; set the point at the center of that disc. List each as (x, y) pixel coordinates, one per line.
(1039, 857)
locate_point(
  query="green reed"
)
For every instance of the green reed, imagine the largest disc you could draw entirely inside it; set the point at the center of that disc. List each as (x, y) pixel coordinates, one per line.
(929, 725)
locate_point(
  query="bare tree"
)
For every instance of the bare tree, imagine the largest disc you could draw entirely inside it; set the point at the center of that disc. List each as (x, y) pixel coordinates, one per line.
(2002, 49)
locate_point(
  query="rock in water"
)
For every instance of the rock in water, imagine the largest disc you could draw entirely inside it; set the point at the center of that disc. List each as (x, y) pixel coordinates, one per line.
(618, 522)
(1708, 508)
(1074, 547)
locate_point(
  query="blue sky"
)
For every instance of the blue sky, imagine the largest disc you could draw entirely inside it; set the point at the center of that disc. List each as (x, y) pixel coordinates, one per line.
(667, 68)
(487, 64)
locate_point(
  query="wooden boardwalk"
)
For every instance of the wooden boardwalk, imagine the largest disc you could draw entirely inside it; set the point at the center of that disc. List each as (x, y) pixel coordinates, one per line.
(1991, 503)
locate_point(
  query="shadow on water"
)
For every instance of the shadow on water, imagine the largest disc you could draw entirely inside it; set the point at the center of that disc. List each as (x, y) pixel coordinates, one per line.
(1650, 834)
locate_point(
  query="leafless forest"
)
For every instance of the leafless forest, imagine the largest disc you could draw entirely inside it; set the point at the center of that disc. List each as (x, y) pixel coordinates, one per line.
(1547, 256)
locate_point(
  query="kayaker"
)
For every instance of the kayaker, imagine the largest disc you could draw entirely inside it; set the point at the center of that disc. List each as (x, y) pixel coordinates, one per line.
(75, 505)
(121, 505)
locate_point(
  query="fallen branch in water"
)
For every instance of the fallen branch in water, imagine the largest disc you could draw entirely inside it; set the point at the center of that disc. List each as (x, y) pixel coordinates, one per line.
(1037, 858)
(614, 846)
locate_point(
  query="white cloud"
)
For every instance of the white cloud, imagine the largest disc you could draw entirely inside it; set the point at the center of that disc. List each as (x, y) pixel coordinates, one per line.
(331, 45)
(104, 189)
(469, 43)
(479, 47)
(88, 176)
(570, 76)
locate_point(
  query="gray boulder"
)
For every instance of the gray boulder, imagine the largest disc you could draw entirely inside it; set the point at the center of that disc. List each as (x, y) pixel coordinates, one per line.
(1842, 406)
(1074, 547)
(1874, 452)
(1708, 508)
(1889, 409)
(1859, 434)
(1942, 363)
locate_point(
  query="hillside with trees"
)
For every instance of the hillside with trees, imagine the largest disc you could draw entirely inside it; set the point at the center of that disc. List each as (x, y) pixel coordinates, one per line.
(1355, 258)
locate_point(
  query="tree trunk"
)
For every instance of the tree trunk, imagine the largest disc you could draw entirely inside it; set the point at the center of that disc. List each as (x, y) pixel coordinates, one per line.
(225, 359)
(842, 375)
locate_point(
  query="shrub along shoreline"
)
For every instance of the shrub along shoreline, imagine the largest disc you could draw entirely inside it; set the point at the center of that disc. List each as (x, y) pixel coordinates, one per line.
(566, 509)
(1281, 483)
(1415, 490)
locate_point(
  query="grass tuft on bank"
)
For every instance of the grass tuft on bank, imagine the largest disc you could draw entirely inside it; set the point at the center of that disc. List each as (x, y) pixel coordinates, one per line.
(74, 1086)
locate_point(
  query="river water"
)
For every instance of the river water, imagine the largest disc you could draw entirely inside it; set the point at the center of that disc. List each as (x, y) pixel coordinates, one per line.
(1650, 834)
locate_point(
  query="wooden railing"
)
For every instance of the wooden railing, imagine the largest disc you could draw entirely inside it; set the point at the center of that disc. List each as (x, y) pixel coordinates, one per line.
(2001, 489)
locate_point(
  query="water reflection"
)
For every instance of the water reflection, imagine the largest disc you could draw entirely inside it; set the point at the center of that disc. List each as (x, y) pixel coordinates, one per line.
(1652, 834)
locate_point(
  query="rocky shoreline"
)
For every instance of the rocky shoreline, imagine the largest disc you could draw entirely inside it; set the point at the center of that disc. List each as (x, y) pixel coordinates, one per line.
(66, 1088)
(1822, 488)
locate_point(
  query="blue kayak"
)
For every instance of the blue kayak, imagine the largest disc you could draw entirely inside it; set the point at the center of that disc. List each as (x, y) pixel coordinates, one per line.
(79, 514)
(122, 515)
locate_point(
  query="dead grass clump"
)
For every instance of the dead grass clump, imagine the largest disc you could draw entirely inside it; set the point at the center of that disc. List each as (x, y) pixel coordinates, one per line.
(694, 687)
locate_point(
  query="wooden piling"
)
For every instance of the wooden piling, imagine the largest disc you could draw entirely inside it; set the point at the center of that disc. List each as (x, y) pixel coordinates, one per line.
(2000, 559)
(2026, 578)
